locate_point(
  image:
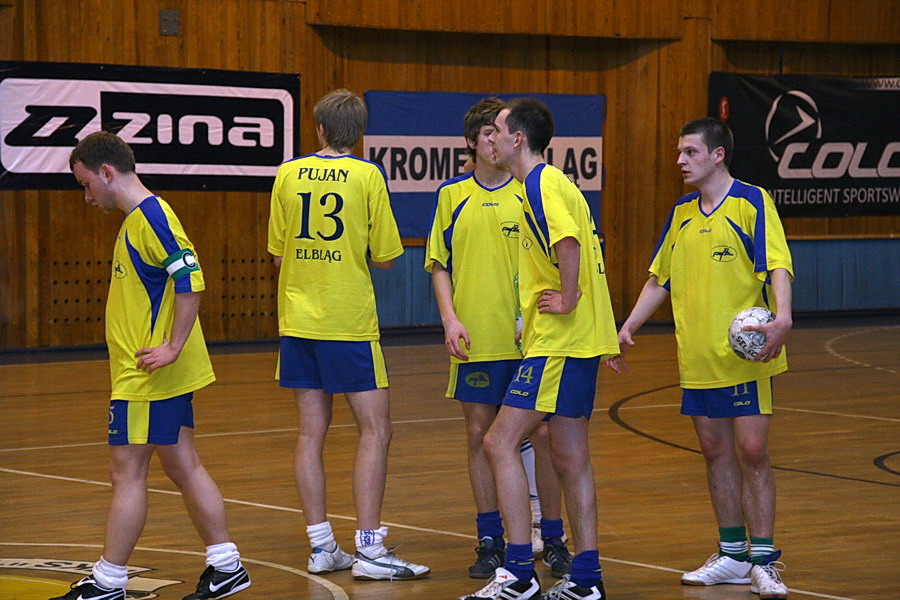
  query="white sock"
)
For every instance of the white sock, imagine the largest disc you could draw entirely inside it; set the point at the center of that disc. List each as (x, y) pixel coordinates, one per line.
(321, 536)
(527, 452)
(223, 557)
(108, 575)
(370, 542)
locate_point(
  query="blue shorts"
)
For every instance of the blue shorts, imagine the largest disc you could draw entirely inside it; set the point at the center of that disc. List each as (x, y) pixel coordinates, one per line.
(157, 422)
(559, 385)
(481, 382)
(751, 398)
(332, 366)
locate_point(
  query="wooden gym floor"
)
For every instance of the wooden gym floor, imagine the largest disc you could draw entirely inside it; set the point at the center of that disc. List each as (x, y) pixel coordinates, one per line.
(835, 444)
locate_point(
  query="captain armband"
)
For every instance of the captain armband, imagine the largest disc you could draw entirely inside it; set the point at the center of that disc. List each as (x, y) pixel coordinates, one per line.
(180, 263)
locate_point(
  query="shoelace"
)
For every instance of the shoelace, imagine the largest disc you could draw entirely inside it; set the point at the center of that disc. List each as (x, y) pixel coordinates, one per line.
(773, 570)
(557, 590)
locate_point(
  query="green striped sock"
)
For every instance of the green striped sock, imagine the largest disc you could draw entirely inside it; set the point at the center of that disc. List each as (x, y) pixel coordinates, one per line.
(759, 548)
(733, 542)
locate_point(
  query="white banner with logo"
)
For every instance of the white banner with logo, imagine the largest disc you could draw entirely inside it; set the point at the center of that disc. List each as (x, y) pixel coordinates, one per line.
(189, 128)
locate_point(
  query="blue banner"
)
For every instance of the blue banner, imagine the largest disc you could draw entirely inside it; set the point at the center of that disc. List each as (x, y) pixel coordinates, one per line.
(417, 137)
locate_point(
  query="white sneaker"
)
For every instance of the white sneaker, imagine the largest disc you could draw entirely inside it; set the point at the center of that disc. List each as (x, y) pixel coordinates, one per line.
(387, 566)
(537, 542)
(566, 589)
(719, 569)
(505, 586)
(323, 561)
(766, 581)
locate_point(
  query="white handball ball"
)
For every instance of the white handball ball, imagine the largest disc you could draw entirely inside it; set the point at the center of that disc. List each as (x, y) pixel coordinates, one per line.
(747, 344)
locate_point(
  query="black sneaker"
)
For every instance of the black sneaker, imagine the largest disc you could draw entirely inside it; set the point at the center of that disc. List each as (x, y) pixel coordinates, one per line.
(491, 552)
(220, 584)
(557, 557)
(87, 589)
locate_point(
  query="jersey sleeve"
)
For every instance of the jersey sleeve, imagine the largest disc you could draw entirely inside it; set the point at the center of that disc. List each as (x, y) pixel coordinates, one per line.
(661, 263)
(275, 242)
(777, 254)
(384, 237)
(559, 204)
(436, 246)
(165, 245)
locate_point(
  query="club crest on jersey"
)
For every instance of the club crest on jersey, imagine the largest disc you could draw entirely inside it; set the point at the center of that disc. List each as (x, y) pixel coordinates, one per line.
(509, 229)
(119, 270)
(723, 254)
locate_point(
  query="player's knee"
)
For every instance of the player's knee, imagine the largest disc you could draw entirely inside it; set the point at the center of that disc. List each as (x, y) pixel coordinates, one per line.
(714, 447)
(753, 454)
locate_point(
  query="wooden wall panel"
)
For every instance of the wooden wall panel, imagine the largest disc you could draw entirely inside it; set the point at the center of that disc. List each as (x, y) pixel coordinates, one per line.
(654, 80)
(602, 18)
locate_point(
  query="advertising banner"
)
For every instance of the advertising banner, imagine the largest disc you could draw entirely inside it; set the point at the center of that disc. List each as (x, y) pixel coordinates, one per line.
(191, 129)
(417, 138)
(821, 146)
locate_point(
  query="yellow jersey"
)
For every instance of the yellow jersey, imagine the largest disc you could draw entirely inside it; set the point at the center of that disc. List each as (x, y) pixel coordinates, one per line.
(328, 216)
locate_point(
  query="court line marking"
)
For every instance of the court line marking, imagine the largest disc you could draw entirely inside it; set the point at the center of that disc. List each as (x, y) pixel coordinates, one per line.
(340, 517)
(337, 592)
(829, 347)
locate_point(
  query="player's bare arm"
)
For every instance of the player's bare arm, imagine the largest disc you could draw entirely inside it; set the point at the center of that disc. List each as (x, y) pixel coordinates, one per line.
(454, 330)
(650, 299)
(187, 304)
(564, 301)
(777, 331)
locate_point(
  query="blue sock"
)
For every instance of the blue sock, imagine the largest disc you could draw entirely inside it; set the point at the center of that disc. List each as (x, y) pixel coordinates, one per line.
(551, 528)
(519, 561)
(489, 524)
(586, 568)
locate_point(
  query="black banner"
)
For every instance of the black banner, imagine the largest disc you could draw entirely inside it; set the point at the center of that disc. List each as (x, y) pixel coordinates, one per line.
(822, 146)
(191, 129)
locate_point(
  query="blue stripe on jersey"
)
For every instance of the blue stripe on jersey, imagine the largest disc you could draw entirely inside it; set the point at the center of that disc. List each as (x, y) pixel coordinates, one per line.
(665, 230)
(745, 239)
(155, 216)
(153, 278)
(448, 233)
(754, 196)
(536, 201)
(537, 234)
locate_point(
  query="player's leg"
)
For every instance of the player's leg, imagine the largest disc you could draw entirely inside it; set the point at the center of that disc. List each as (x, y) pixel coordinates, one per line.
(502, 446)
(479, 387)
(715, 433)
(314, 418)
(224, 574)
(751, 443)
(357, 370)
(128, 509)
(299, 369)
(571, 383)
(550, 531)
(371, 409)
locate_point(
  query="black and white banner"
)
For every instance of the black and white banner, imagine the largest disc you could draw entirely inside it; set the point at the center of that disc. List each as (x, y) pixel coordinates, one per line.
(822, 146)
(191, 129)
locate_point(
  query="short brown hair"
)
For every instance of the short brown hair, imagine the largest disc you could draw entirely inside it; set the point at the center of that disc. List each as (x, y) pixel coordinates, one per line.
(532, 117)
(483, 113)
(714, 133)
(343, 116)
(103, 147)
